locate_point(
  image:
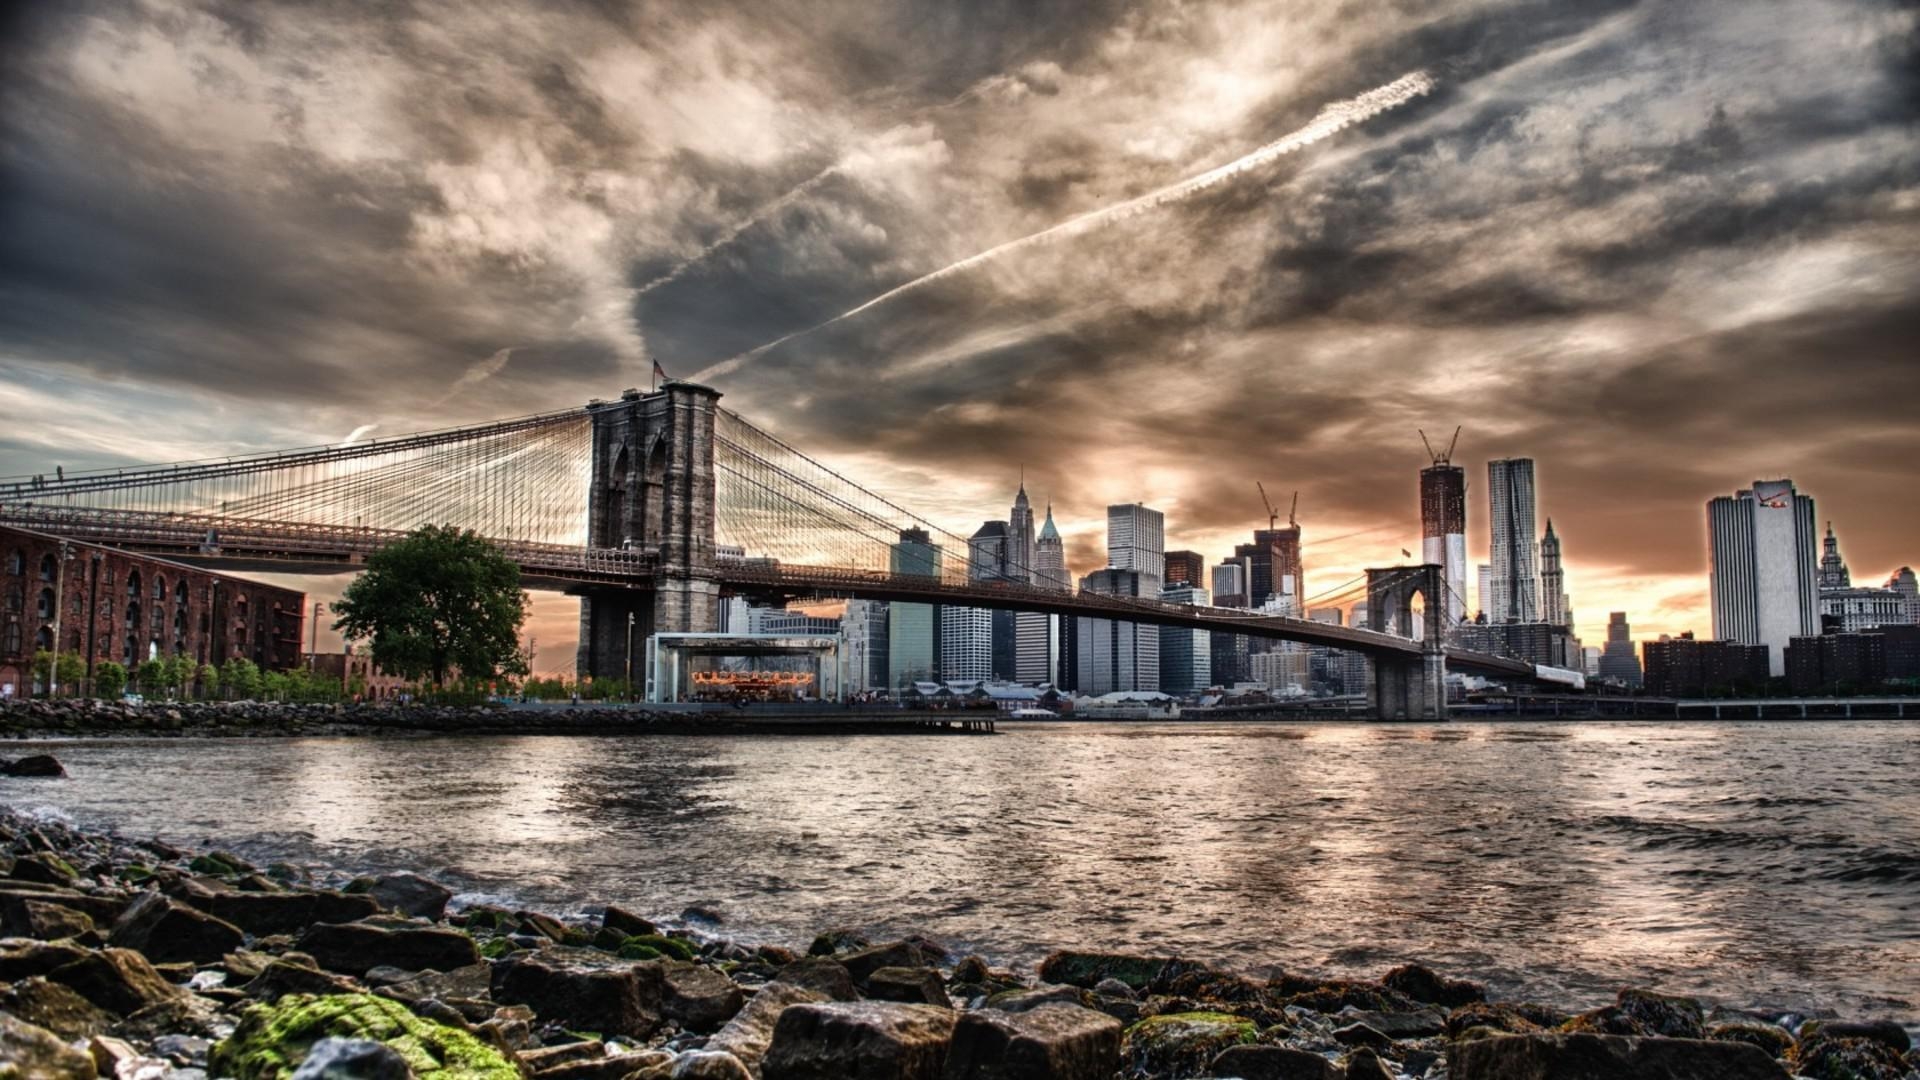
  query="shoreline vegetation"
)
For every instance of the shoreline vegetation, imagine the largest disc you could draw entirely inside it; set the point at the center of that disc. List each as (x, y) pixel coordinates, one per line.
(138, 960)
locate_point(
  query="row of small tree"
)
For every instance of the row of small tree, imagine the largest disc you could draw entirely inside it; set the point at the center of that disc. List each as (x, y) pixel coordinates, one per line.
(179, 678)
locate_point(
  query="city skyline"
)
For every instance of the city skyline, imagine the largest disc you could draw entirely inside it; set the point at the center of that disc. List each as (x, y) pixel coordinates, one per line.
(236, 227)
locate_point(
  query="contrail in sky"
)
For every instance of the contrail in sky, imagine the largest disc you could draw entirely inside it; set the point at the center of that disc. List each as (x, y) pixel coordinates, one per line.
(1332, 119)
(743, 225)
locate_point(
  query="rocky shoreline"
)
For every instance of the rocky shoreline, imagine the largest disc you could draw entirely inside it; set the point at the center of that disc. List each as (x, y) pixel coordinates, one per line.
(138, 960)
(81, 718)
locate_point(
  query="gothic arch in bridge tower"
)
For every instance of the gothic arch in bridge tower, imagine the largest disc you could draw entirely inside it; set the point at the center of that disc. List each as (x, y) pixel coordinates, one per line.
(1413, 688)
(653, 490)
(613, 499)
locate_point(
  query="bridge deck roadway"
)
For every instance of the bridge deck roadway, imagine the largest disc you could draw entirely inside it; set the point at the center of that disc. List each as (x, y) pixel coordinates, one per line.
(797, 582)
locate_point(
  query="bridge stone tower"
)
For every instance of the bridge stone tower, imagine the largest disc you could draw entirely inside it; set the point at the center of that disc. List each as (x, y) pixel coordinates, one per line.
(651, 489)
(1413, 688)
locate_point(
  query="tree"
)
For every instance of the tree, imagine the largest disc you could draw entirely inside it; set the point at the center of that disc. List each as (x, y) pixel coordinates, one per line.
(109, 679)
(239, 678)
(209, 679)
(439, 600)
(152, 676)
(69, 669)
(43, 670)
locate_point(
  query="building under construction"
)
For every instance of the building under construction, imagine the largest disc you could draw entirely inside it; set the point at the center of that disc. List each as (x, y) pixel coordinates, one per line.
(1443, 524)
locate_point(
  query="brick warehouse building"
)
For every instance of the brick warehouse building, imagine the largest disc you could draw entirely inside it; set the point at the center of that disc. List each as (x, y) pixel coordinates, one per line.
(115, 605)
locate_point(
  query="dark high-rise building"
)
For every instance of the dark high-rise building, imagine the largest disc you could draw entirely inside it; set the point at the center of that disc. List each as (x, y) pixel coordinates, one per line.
(1186, 568)
(1617, 661)
(1274, 565)
(1515, 579)
(1443, 530)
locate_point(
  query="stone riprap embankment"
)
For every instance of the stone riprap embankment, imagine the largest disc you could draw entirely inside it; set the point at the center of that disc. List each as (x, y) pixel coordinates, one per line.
(81, 718)
(39, 718)
(137, 960)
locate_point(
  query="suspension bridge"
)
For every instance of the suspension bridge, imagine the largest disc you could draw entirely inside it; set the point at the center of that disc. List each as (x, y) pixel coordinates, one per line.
(653, 509)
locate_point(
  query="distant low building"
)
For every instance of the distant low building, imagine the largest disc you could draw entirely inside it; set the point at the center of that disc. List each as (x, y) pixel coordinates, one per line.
(1685, 666)
(1854, 662)
(102, 603)
(359, 677)
(1618, 663)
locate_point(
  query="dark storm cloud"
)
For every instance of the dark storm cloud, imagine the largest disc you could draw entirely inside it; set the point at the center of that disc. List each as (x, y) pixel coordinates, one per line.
(1617, 236)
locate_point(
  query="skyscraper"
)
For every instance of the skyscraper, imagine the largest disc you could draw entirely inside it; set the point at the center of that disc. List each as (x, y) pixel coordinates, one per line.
(1186, 656)
(1137, 540)
(1274, 570)
(1231, 580)
(1020, 541)
(1553, 583)
(1833, 568)
(1483, 592)
(1761, 545)
(1618, 661)
(1050, 558)
(1443, 530)
(1516, 574)
(978, 643)
(1115, 655)
(913, 630)
(1186, 568)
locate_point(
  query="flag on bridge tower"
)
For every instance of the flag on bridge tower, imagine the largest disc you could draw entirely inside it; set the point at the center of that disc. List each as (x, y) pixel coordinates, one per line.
(659, 374)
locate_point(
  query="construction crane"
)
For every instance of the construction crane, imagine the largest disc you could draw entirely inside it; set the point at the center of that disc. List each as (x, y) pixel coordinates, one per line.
(1273, 516)
(1441, 459)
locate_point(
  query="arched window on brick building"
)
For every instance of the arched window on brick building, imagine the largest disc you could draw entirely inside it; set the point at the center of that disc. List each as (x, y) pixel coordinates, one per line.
(17, 563)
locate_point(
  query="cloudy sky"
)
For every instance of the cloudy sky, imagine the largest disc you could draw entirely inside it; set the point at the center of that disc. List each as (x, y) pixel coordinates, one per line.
(1663, 248)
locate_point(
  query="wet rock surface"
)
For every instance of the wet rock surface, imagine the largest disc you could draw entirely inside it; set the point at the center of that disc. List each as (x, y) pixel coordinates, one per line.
(163, 962)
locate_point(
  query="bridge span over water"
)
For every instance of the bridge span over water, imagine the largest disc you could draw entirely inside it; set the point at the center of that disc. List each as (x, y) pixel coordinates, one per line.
(653, 509)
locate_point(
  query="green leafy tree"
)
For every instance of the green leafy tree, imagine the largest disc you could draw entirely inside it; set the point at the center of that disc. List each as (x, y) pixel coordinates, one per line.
(209, 678)
(239, 678)
(109, 679)
(43, 669)
(440, 600)
(69, 669)
(151, 675)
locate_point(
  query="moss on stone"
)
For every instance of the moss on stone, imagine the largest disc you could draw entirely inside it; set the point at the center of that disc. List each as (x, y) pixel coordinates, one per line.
(362, 884)
(212, 864)
(661, 945)
(633, 950)
(495, 948)
(1182, 1044)
(272, 1040)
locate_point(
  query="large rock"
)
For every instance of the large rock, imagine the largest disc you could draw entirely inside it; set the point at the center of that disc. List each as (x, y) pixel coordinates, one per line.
(166, 932)
(117, 980)
(1884, 1031)
(39, 765)
(750, 1032)
(915, 986)
(1182, 1044)
(612, 1067)
(1574, 1056)
(287, 976)
(620, 1000)
(44, 868)
(871, 1040)
(54, 1006)
(1086, 969)
(49, 920)
(411, 894)
(103, 910)
(34, 1053)
(626, 922)
(353, 1059)
(356, 948)
(272, 1041)
(1423, 984)
(1273, 1063)
(698, 1065)
(263, 913)
(699, 998)
(1822, 1055)
(899, 954)
(1052, 1042)
(1643, 1012)
(824, 974)
(23, 957)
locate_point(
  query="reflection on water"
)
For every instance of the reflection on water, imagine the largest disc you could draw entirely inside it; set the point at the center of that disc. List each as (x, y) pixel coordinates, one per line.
(1753, 863)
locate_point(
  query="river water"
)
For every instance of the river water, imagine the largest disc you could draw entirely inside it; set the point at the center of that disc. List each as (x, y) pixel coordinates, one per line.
(1753, 864)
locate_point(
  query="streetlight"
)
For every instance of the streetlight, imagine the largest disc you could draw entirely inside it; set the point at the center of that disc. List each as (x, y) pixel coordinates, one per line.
(313, 655)
(59, 604)
(629, 656)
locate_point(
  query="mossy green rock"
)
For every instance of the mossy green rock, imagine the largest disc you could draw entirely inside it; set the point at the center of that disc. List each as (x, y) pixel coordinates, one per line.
(660, 944)
(272, 1040)
(1182, 1044)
